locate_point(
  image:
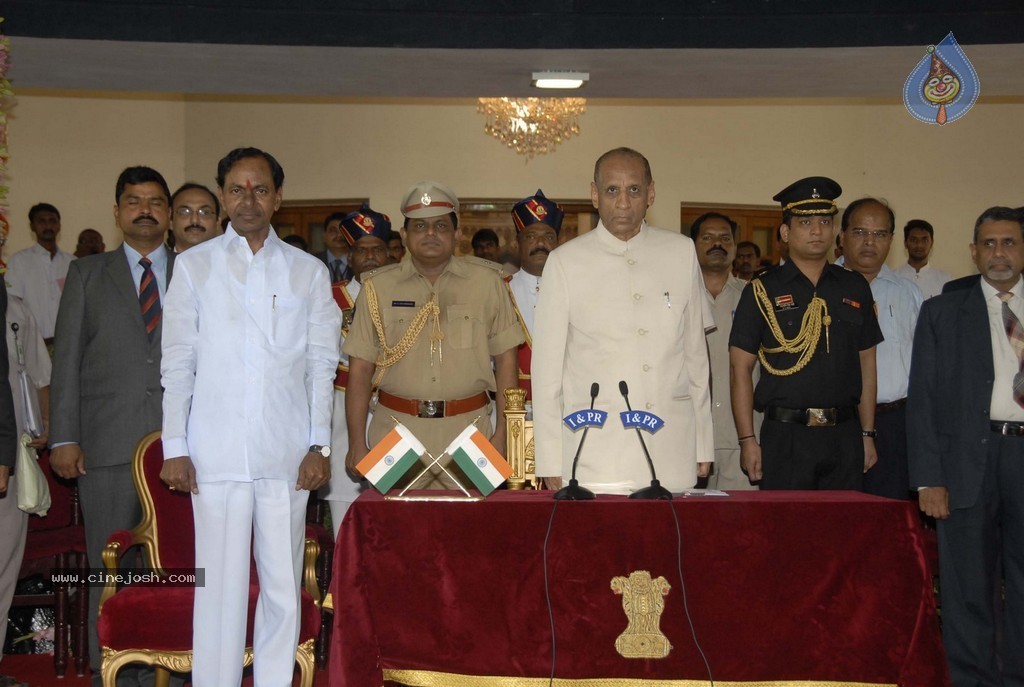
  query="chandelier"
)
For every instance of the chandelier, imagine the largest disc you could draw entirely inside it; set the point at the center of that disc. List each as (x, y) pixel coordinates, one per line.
(532, 126)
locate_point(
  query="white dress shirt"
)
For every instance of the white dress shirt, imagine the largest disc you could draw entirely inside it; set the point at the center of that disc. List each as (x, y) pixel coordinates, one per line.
(157, 263)
(929, 279)
(1005, 361)
(250, 350)
(39, 280)
(525, 288)
(898, 302)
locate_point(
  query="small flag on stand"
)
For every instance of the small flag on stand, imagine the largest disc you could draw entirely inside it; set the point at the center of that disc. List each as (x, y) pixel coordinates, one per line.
(386, 462)
(478, 458)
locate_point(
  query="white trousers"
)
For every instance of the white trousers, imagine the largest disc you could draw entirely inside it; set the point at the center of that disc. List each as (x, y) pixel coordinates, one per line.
(271, 513)
(341, 490)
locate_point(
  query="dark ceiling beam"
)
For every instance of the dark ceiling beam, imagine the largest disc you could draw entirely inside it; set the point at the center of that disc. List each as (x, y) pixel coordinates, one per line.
(525, 24)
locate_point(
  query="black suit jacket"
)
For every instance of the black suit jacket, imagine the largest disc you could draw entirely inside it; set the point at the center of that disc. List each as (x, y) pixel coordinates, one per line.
(951, 376)
(327, 258)
(105, 391)
(8, 424)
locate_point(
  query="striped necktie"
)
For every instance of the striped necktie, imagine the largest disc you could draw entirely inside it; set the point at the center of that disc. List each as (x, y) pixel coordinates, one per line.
(1015, 333)
(337, 271)
(149, 297)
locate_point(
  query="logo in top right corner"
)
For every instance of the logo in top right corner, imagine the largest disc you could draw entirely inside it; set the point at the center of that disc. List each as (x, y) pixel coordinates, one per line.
(943, 86)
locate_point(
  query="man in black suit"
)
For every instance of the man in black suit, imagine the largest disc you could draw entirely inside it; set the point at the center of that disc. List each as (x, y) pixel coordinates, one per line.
(105, 388)
(965, 423)
(336, 255)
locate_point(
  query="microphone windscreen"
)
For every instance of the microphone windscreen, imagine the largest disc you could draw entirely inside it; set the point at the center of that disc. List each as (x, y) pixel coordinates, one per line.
(623, 389)
(594, 388)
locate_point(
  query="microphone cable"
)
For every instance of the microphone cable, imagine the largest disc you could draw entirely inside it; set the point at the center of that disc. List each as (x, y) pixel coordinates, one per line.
(682, 589)
(547, 596)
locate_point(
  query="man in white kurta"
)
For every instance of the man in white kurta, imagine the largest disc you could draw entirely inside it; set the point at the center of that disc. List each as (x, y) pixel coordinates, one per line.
(250, 349)
(366, 233)
(623, 302)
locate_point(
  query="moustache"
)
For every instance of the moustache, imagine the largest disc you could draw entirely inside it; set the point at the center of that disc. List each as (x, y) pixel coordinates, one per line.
(200, 227)
(716, 249)
(537, 251)
(144, 219)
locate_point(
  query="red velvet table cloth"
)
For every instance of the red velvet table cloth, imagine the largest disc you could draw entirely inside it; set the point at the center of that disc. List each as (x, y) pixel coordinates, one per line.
(784, 588)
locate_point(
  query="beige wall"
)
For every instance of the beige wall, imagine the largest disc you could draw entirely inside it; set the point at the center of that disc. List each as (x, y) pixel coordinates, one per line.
(69, 150)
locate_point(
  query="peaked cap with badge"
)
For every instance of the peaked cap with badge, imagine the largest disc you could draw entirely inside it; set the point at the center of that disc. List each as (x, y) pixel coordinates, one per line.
(537, 209)
(810, 196)
(429, 199)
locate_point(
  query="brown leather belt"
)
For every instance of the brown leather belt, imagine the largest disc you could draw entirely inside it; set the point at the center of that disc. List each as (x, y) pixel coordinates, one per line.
(1009, 429)
(890, 406)
(412, 406)
(811, 417)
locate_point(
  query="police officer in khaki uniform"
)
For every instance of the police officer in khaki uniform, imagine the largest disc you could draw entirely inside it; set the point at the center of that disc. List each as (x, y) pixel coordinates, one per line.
(424, 336)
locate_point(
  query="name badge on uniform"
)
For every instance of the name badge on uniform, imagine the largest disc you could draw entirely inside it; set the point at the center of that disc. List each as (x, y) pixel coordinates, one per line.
(784, 302)
(851, 303)
(403, 304)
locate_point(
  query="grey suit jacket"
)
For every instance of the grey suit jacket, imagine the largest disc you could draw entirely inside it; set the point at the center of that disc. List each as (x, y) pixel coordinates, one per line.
(951, 376)
(105, 390)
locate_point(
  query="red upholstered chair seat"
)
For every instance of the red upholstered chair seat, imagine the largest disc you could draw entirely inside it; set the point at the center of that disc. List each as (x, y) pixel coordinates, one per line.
(56, 541)
(49, 543)
(153, 624)
(160, 618)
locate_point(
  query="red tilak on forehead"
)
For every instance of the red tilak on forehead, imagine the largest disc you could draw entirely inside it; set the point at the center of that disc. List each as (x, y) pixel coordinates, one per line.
(248, 185)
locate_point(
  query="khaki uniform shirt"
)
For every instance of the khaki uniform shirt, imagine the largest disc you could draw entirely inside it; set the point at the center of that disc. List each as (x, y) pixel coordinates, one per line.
(477, 320)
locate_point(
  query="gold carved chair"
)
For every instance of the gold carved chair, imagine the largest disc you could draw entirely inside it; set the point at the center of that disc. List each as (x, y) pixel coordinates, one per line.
(153, 625)
(519, 433)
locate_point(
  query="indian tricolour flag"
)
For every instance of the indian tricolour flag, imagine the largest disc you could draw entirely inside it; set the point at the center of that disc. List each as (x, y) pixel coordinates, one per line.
(478, 458)
(391, 458)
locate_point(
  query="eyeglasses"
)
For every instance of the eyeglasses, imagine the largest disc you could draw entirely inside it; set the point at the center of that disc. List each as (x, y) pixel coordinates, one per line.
(186, 212)
(877, 235)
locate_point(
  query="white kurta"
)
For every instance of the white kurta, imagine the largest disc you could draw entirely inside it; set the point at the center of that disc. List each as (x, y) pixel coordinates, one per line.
(616, 310)
(341, 490)
(525, 289)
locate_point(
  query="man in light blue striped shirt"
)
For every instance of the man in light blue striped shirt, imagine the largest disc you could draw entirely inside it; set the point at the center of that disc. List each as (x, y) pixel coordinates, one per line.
(867, 234)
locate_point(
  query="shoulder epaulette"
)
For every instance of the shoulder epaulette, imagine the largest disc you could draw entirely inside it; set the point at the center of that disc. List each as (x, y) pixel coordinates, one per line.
(481, 262)
(379, 270)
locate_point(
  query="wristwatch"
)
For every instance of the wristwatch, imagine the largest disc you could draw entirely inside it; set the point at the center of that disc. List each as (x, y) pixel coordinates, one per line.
(324, 451)
(868, 433)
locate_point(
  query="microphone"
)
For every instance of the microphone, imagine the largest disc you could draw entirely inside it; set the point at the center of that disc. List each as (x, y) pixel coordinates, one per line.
(574, 492)
(655, 491)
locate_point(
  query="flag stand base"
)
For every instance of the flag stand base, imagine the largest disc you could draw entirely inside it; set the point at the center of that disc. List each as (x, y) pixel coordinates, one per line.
(439, 497)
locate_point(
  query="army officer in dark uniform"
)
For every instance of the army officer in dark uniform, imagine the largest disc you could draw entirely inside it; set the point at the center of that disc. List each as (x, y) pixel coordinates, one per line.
(813, 329)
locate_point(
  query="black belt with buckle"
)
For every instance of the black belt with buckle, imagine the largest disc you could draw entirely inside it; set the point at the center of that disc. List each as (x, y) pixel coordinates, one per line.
(1007, 429)
(890, 406)
(811, 417)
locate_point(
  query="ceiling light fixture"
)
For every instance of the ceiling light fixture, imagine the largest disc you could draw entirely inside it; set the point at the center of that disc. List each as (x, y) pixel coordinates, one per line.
(560, 79)
(532, 126)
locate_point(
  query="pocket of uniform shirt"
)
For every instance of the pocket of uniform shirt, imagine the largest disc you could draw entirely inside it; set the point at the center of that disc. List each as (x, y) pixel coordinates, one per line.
(288, 321)
(461, 321)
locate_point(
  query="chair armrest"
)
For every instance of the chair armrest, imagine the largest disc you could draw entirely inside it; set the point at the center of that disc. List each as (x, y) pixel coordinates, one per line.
(311, 553)
(117, 544)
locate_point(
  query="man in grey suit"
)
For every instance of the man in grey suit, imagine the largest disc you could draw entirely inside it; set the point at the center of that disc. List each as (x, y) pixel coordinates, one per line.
(965, 426)
(105, 387)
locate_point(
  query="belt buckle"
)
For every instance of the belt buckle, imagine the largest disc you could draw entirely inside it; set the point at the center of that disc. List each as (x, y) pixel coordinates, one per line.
(430, 409)
(821, 417)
